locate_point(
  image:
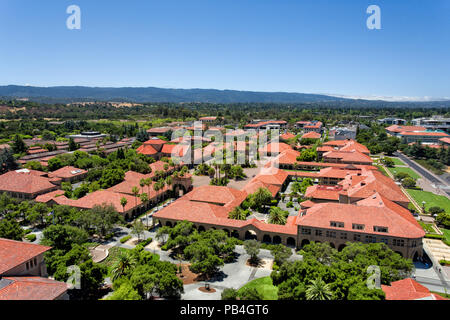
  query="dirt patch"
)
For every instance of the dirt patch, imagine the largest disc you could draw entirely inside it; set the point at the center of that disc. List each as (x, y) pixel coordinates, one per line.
(187, 276)
(203, 289)
(261, 263)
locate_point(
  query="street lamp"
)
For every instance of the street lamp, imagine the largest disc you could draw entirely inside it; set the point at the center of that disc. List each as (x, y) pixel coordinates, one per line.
(423, 206)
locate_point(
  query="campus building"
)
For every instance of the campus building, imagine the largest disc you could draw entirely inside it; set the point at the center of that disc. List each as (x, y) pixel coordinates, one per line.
(349, 203)
(23, 273)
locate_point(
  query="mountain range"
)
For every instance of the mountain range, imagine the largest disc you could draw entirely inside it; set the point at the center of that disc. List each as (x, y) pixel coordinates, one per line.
(65, 94)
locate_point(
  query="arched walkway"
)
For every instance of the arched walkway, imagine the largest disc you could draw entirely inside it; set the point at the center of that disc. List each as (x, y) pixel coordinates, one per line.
(227, 232)
(399, 253)
(341, 247)
(416, 256)
(267, 239)
(290, 242)
(169, 224)
(332, 245)
(235, 234)
(304, 242)
(277, 240)
(250, 235)
(201, 228)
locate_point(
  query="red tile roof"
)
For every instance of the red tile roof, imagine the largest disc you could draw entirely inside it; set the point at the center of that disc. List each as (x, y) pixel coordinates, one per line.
(409, 289)
(320, 216)
(445, 140)
(311, 135)
(323, 192)
(275, 147)
(398, 128)
(14, 253)
(147, 150)
(348, 157)
(425, 134)
(287, 136)
(30, 288)
(67, 172)
(24, 181)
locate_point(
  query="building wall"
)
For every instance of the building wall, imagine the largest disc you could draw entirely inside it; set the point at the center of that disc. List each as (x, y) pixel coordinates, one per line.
(36, 267)
(338, 238)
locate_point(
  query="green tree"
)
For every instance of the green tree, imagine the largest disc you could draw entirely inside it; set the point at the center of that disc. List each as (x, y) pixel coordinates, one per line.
(252, 247)
(10, 229)
(319, 290)
(278, 216)
(125, 292)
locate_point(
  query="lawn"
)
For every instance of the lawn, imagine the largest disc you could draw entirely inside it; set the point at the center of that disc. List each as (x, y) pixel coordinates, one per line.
(446, 234)
(427, 227)
(431, 199)
(265, 287)
(409, 171)
(398, 162)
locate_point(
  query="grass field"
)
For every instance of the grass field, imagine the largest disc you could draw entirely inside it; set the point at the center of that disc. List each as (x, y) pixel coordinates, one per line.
(427, 227)
(431, 199)
(398, 162)
(407, 170)
(263, 286)
(446, 233)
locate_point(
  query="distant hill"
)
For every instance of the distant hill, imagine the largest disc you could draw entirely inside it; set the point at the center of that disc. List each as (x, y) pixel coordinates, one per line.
(151, 94)
(70, 94)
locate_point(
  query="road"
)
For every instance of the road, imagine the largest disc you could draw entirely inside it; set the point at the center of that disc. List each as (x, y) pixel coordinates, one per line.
(425, 173)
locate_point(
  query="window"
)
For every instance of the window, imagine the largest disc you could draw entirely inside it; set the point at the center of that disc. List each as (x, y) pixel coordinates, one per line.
(356, 226)
(385, 241)
(27, 265)
(414, 243)
(343, 236)
(306, 231)
(331, 234)
(357, 237)
(319, 233)
(398, 242)
(371, 239)
(336, 224)
(380, 229)
(35, 262)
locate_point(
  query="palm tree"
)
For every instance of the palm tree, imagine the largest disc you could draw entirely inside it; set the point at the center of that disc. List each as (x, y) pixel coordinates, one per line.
(278, 216)
(318, 290)
(148, 183)
(135, 191)
(123, 264)
(123, 203)
(237, 214)
(142, 184)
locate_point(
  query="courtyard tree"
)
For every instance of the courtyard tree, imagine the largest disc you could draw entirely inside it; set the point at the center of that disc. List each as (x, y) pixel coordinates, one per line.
(252, 247)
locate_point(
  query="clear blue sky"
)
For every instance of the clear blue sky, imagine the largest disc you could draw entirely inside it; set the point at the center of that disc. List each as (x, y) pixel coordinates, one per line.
(278, 45)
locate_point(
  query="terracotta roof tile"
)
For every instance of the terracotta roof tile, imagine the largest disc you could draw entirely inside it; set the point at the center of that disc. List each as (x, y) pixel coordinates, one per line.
(14, 253)
(30, 288)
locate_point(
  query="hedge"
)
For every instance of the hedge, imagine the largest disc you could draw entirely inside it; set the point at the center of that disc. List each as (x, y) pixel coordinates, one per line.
(125, 239)
(434, 236)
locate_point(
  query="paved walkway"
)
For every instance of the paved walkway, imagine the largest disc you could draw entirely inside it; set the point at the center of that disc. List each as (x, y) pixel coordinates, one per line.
(438, 248)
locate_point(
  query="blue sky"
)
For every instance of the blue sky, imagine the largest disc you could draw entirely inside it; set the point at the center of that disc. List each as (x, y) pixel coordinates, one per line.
(278, 45)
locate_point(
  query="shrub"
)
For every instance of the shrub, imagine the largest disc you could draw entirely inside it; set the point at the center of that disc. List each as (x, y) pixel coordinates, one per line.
(290, 204)
(30, 237)
(125, 239)
(146, 242)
